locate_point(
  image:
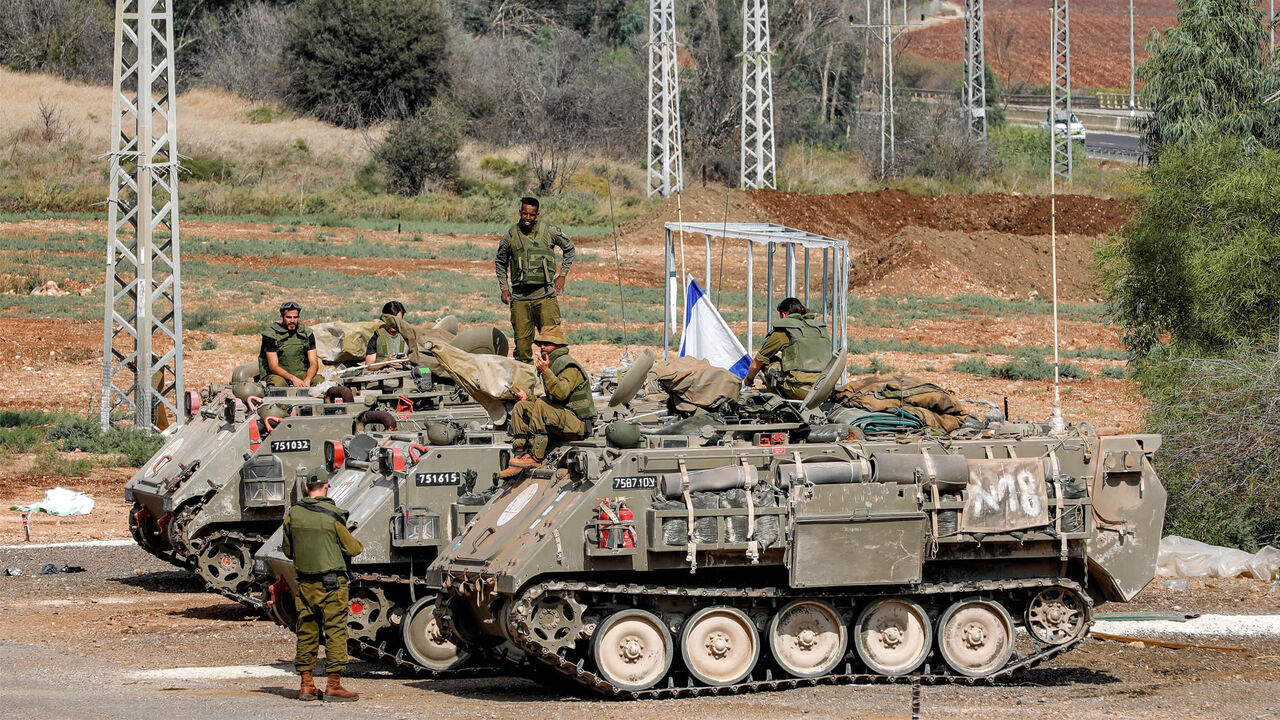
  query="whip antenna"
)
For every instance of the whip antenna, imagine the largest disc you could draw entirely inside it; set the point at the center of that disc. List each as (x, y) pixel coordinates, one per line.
(1056, 423)
(617, 256)
(724, 240)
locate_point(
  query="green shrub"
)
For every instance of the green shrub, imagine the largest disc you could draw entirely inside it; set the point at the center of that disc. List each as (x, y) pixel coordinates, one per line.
(1115, 372)
(421, 149)
(355, 62)
(207, 167)
(973, 365)
(51, 463)
(209, 344)
(504, 167)
(20, 439)
(874, 366)
(24, 418)
(263, 114)
(77, 432)
(1220, 459)
(205, 318)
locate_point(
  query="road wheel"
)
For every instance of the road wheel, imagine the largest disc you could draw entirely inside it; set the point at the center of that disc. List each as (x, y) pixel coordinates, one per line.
(893, 636)
(632, 649)
(807, 638)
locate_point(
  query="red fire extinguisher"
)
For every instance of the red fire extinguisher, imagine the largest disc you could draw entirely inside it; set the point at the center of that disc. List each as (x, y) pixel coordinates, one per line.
(626, 519)
(607, 520)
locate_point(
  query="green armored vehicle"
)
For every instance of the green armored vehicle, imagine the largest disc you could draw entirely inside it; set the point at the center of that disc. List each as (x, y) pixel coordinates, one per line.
(736, 558)
(409, 495)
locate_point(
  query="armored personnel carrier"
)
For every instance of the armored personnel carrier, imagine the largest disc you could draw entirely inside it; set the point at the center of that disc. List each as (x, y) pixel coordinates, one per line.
(216, 490)
(736, 558)
(409, 495)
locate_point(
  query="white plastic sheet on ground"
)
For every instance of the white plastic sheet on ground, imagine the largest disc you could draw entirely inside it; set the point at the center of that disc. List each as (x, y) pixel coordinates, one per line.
(1183, 557)
(60, 501)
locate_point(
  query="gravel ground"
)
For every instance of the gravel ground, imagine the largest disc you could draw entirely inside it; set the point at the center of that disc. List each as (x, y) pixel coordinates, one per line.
(115, 641)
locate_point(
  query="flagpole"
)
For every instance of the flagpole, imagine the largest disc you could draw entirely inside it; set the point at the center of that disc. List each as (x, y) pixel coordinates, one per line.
(684, 290)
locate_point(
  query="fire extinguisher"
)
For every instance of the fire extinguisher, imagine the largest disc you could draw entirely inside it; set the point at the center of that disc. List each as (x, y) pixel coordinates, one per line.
(626, 519)
(607, 519)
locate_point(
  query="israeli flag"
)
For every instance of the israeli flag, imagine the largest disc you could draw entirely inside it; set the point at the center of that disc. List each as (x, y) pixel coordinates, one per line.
(707, 335)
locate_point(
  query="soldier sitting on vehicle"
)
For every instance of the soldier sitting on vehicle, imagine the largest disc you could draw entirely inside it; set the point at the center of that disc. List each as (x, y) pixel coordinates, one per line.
(796, 351)
(387, 343)
(288, 356)
(567, 411)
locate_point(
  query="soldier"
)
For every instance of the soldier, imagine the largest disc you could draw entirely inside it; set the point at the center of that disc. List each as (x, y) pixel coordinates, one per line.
(801, 340)
(566, 412)
(288, 355)
(526, 268)
(317, 540)
(387, 343)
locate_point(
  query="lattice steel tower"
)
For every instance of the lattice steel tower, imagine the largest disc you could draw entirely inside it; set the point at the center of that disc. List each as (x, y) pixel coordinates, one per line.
(1061, 89)
(759, 167)
(142, 329)
(666, 163)
(975, 77)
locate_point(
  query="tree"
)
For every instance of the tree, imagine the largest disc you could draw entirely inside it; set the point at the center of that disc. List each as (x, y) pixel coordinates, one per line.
(1198, 265)
(421, 149)
(1210, 75)
(356, 62)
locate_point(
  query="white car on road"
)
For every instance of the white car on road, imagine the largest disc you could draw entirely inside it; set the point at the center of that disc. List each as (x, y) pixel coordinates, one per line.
(1066, 123)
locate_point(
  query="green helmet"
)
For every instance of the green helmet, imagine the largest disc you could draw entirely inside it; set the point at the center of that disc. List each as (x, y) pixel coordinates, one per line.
(439, 433)
(623, 434)
(273, 410)
(246, 390)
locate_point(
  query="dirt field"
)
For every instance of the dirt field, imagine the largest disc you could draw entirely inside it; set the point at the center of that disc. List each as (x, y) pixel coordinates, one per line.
(1017, 39)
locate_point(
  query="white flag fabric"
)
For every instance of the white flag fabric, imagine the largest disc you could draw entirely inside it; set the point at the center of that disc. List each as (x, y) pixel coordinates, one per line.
(707, 335)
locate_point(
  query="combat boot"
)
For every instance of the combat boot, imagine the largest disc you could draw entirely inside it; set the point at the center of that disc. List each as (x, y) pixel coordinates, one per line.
(334, 692)
(518, 465)
(308, 690)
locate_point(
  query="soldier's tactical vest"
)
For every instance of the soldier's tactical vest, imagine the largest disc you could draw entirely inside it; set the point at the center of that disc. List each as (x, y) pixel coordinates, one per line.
(291, 349)
(810, 346)
(390, 345)
(579, 401)
(533, 259)
(314, 539)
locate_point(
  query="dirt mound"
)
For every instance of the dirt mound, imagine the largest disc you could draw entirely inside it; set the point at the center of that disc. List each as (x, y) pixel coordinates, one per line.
(916, 244)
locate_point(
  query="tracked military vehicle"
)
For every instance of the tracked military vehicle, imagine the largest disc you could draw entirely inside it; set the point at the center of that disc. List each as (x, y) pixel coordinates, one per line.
(210, 497)
(409, 495)
(736, 558)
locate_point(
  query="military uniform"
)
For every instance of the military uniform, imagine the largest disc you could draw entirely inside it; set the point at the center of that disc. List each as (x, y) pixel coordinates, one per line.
(526, 266)
(384, 346)
(567, 411)
(802, 347)
(317, 540)
(291, 350)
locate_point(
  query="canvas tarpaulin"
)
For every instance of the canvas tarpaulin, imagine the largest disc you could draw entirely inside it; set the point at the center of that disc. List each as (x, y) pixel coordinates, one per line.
(692, 383)
(1004, 495)
(488, 379)
(343, 342)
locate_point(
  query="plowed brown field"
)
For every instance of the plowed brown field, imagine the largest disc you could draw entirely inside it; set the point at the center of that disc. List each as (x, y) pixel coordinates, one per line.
(1018, 32)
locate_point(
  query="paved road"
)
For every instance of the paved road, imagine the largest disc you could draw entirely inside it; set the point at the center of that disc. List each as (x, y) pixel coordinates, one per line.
(1117, 146)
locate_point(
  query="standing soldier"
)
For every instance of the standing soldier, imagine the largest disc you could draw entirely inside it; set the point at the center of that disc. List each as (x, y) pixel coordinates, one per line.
(567, 411)
(288, 355)
(317, 540)
(526, 268)
(801, 340)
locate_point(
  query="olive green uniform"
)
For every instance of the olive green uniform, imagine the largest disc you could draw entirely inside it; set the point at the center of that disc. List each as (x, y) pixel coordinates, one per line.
(384, 346)
(319, 543)
(526, 266)
(566, 412)
(801, 346)
(291, 353)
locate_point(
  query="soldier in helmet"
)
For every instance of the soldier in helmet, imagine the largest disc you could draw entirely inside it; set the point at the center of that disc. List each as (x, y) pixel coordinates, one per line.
(526, 268)
(387, 342)
(288, 355)
(799, 347)
(567, 412)
(317, 540)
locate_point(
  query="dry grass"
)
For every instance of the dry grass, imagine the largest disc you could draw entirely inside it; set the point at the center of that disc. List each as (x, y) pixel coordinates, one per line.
(209, 118)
